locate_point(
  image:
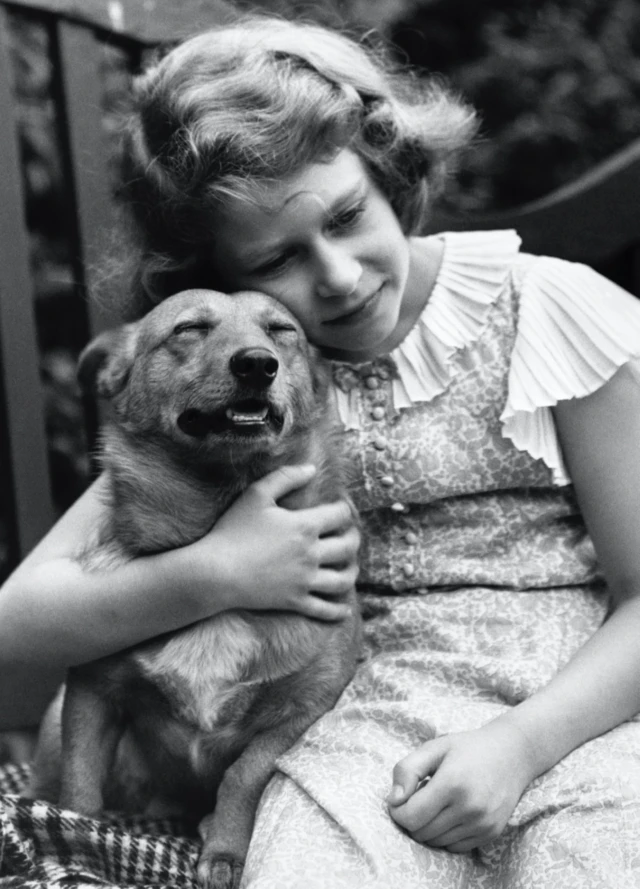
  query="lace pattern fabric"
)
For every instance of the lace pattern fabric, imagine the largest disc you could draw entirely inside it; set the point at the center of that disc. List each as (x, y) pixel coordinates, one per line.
(474, 542)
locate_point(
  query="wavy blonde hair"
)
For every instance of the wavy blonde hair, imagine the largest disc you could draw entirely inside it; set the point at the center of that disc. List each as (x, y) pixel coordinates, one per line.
(235, 108)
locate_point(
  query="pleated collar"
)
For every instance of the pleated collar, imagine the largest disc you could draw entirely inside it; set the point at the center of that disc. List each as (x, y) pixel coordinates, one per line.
(473, 273)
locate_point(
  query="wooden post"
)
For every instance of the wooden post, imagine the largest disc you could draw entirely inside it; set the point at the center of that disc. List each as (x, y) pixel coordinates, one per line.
(24, 468)
(85, 150)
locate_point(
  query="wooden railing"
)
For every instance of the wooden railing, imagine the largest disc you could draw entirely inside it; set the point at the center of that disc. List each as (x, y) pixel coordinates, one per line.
(77, 31)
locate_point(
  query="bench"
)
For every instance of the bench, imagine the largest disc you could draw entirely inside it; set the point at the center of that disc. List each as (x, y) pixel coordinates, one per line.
(595, 219)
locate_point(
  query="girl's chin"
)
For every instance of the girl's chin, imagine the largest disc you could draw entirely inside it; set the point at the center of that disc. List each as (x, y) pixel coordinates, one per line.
(358, 348)
(365, 335)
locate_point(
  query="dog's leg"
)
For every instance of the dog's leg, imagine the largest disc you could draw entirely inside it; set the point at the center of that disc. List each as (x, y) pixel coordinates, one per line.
(90, 736)
(45, 768)
(226, 833)
(17, 746)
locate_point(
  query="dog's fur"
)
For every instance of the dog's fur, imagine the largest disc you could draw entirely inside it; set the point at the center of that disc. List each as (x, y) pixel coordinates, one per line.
(197, 718)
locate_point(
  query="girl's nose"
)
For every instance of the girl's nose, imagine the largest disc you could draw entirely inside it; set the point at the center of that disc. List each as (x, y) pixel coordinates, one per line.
(338, 273)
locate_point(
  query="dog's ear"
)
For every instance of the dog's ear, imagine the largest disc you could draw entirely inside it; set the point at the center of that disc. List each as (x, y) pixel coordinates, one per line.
(104, 365)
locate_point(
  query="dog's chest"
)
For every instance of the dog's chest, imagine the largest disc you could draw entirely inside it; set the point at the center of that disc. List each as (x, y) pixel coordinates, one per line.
(211, 672)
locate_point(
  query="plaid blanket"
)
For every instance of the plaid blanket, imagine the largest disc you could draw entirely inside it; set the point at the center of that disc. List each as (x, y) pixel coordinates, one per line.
(42, 846)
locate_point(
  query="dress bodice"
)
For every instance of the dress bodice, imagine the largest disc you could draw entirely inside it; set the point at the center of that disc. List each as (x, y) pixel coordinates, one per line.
(446, 495)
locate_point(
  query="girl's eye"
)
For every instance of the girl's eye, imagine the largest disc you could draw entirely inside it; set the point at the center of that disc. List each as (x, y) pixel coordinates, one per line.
(347, 218)
(276, 264)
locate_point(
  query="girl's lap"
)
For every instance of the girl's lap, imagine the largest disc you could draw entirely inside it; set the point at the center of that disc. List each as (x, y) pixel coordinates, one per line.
(324, 818)
(352, 843)
(426, 673)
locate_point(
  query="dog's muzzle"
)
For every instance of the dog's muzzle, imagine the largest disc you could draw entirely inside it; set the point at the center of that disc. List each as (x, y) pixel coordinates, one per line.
(251, 412)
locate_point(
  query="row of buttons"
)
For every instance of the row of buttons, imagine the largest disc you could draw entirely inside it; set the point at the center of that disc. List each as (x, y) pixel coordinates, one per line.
(387, 481)
(380, 444)
(378, 413)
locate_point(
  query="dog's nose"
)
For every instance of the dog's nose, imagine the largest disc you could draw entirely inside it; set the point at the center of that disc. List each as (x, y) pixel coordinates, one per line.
(255, 367)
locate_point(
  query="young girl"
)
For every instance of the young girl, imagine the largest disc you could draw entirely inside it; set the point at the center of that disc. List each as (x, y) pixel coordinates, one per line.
(490, 404)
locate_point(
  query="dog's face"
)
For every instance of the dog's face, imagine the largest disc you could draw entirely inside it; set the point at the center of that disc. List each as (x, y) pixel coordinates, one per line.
(209, 373)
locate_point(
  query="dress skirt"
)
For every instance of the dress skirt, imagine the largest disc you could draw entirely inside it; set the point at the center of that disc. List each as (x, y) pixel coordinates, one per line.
(439, 663)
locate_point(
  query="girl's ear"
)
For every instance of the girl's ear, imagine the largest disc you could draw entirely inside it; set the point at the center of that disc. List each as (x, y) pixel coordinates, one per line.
(104, 365)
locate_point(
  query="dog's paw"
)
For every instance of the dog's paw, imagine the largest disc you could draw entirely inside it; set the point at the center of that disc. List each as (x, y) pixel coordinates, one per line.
(17, 746)
(219, 872)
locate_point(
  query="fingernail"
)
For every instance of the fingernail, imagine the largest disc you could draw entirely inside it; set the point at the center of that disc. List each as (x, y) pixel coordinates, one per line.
(396, 794)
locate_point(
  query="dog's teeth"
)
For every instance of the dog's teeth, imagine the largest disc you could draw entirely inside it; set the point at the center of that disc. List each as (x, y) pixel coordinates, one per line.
(247, 418)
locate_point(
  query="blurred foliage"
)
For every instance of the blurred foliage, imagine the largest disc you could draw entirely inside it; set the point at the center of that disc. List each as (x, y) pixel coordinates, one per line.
(557, 84)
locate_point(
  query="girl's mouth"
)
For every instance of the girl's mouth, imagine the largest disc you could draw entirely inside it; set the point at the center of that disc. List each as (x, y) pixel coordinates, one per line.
(361, 313)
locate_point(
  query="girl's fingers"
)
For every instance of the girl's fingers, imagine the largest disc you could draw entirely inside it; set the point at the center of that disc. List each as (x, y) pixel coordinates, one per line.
(327, 518)
(444, 839)
(333, 582)
(446, 822)
(413, 769)
(340, 550)
(284, 480)
(468, 844)
(324, 609)
(421, 808)
(332, 518)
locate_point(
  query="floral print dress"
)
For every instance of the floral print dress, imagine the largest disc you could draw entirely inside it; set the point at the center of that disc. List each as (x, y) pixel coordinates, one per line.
(485, 582)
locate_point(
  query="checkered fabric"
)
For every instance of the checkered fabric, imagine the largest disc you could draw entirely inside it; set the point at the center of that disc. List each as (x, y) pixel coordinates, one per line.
(42, 846)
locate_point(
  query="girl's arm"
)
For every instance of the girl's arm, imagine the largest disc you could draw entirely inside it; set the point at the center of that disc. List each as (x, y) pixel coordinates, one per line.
(479, 776)
(54, 614)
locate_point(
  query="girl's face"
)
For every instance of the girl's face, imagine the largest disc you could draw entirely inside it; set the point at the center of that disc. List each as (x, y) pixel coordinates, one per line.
(325, 243)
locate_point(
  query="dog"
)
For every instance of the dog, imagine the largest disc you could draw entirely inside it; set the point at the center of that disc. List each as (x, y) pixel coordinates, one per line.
(208, 392)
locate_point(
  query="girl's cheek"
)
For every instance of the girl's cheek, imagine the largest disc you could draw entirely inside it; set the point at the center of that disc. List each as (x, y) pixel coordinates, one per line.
(293, 292)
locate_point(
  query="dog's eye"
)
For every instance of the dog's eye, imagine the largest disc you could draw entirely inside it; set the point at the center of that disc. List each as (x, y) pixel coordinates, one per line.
(190, 327)
(282, 328)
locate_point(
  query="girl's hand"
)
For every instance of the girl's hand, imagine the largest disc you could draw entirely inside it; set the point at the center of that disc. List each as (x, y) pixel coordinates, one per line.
(264, 556)
(476, 779)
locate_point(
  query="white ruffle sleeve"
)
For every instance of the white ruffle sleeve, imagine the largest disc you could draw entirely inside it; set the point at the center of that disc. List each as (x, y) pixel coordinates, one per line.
(575, 329)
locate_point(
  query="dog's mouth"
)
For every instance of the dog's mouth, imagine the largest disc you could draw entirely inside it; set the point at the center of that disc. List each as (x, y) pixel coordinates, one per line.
(248, 417)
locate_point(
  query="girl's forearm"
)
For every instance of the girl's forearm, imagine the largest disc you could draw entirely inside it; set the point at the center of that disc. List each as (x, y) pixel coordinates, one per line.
(596, 691)
(53, 614)
(56, 614)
